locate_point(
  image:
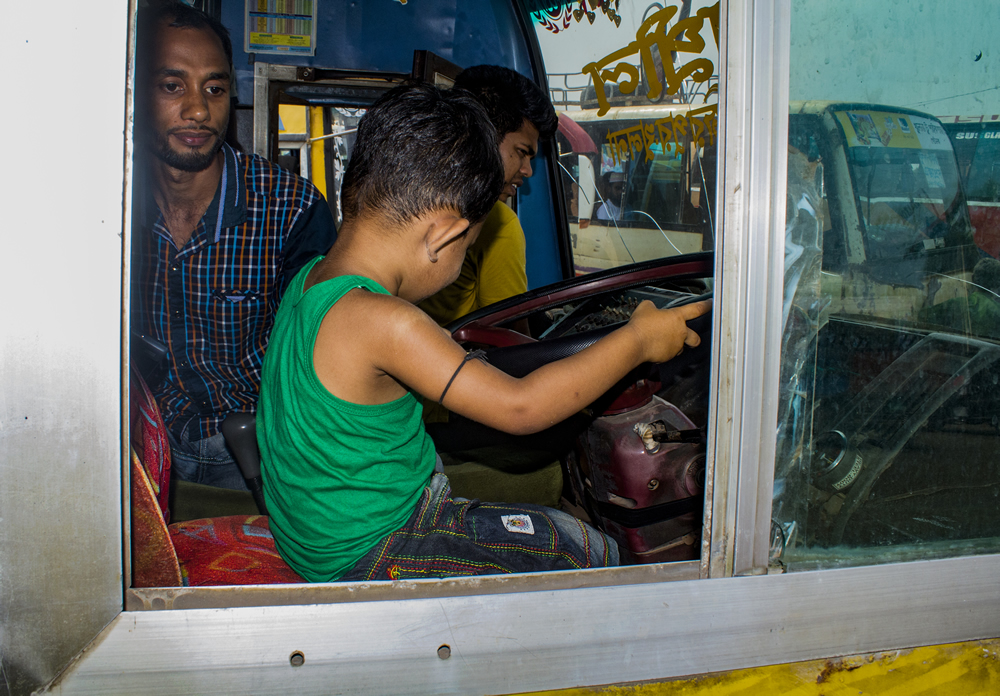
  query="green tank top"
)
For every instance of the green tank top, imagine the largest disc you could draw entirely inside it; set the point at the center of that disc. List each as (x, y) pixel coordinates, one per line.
(338, 476)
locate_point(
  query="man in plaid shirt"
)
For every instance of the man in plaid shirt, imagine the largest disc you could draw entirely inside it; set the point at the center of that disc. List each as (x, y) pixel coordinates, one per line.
(218, 236)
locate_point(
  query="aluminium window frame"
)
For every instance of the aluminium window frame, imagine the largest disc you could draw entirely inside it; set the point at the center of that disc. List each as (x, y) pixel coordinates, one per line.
(529, 635)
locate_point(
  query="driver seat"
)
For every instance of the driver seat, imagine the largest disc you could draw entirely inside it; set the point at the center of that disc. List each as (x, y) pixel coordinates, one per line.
(232, 550)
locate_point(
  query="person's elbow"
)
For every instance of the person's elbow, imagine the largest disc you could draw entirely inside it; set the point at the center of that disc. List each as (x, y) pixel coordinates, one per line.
(525, 417)
(523, 426)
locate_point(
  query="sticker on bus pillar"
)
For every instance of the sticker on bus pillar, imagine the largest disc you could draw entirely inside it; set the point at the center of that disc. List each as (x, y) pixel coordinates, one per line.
(881, 129)
(887, 129)
(283, 27)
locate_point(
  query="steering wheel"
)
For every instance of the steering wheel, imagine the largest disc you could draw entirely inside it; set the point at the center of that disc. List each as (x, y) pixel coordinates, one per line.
(520, 360)
(518, 356)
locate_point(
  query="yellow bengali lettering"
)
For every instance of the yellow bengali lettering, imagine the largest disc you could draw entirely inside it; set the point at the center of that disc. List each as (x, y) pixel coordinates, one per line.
(649, 138)
(621, 142)
(683, 37)
(680, 130)
(635, 142)
(700, 127)
(665, 131)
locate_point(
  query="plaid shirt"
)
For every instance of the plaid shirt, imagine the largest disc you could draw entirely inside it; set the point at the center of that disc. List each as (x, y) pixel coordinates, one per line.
(212, 303)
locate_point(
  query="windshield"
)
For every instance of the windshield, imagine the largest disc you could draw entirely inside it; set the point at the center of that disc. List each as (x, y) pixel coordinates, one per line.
(636, 89)
(887, 403)
(905, 181)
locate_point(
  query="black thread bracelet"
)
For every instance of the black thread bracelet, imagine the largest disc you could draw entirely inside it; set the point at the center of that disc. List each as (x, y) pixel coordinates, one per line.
(474, 355)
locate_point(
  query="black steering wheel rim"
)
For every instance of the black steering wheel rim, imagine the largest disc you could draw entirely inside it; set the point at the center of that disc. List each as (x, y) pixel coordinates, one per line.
(521, 360)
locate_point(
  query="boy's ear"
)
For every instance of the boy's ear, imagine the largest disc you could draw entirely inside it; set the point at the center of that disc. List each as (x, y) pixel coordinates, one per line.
(443, 230)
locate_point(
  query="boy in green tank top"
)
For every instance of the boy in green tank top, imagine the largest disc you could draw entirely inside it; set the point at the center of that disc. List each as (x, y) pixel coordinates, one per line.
(348, 467)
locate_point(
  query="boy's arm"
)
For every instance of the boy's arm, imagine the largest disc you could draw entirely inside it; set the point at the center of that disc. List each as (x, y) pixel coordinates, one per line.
(425, 358)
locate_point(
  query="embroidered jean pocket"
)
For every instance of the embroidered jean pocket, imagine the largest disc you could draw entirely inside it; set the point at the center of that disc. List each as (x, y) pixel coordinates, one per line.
(462, 508)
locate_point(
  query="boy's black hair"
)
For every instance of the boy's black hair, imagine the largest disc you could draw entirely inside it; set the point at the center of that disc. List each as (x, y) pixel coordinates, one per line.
(420, 149)
(177, 15)
(509, 98)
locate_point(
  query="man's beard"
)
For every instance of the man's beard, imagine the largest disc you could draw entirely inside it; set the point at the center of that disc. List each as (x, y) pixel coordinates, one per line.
(185, 161)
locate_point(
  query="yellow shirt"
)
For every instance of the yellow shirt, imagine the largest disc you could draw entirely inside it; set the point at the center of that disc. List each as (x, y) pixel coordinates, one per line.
(493, 270)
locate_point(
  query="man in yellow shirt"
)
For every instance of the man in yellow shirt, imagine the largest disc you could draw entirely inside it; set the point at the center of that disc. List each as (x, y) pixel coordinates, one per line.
(494, 266)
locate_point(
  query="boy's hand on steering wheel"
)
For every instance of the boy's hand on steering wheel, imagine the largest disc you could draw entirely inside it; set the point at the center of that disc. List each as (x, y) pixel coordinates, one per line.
(663, 333)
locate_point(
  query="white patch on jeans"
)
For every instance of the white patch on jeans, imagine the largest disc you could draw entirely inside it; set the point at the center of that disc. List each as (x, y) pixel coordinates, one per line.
(519, 524)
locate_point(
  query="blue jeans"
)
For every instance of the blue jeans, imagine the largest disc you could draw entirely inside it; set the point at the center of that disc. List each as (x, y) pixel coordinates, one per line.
(447, 537)
(207, 461)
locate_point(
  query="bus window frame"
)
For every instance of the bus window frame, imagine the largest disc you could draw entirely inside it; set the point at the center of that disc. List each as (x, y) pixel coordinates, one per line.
(734, 542)
(536, 637)
(736, 536)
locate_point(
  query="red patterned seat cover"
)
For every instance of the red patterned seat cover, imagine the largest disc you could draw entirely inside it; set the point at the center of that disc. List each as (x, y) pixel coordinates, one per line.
(149, 440)
(237, 550)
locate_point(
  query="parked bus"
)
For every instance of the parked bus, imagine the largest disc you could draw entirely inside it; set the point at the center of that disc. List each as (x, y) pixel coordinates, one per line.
(895, 221)
(666, 201)
(977, 146)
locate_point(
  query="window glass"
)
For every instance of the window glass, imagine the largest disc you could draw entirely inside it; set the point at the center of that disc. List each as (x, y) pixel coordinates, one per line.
(293, 134)
(984, 169)
(636, 87)
(888, 417)
(977, 147)
(341, 124)
(327, 134)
